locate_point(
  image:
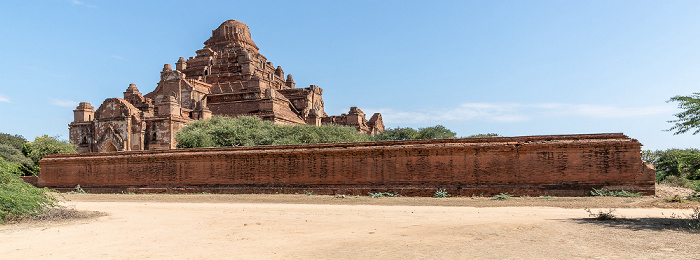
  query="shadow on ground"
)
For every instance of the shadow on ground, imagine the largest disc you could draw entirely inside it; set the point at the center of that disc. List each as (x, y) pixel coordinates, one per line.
(654, 224)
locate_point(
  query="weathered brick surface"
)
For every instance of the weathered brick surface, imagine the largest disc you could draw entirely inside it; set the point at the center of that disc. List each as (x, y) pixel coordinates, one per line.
(534, 165)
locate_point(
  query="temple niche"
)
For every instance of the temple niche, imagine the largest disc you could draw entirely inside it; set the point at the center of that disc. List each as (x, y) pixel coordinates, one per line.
(227, 77)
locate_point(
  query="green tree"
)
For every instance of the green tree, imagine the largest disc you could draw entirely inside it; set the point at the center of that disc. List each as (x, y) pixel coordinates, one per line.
(16, 141)
(689, 118)
(11, 147)
(676, 166)
(249, 131)
(398, 133)
(45, 145)
(489, 135)
(435, 132)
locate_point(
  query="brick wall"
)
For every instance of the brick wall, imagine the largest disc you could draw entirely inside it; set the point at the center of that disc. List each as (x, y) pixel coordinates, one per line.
(563, 165)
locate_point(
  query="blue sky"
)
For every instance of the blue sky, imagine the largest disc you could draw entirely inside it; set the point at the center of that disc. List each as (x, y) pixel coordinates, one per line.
(508, 67)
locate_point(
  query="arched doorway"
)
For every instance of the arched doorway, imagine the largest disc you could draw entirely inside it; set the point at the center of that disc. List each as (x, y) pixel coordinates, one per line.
(108, 147)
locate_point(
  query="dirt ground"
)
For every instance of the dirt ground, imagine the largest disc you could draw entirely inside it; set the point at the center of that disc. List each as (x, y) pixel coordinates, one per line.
(205, 226)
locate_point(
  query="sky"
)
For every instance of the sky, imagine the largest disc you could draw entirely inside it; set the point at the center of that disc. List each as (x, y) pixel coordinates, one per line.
(514, 68)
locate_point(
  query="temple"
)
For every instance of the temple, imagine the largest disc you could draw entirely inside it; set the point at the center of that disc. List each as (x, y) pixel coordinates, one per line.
(227, 77)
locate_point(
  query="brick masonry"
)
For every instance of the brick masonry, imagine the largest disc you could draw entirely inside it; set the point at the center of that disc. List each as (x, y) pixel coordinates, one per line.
(561, 165)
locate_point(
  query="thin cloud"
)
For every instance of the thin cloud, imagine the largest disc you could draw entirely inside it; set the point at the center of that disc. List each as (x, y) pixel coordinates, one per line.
(63, 103)
(77, 2)
(117, 57)
(516, 112)
(3, 98)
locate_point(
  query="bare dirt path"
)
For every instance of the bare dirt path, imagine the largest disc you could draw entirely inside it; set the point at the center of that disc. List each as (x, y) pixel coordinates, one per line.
(324, 227)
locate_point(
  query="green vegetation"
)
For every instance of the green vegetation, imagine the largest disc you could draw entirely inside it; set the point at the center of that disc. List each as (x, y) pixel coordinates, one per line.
(221, 131)
(689, 119)
(489, 135)
(502, 196)
(441, 193)
(18, 198)
(250, 131)
(676, 198)
(383, 194)
(45, 145)
(16, 149)
(18, 157)
(396, 134)
(677, 167)
(407, 133)
(614, 193)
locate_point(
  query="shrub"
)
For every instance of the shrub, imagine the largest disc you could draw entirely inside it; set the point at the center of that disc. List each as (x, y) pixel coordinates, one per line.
(382, 194)
(683, 164)
(502, 196)
(435, 132)
(489, 135)
(675, 198)
(601, 215)
(694, 219)
(45, 145)
(407, 133)
(396, 134)
(18, 198)
(221, 131)
(441, 193)
(612, 193)
(16, 141)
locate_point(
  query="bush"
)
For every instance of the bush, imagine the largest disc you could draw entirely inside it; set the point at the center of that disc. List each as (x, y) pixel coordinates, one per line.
(601, 215)
(383, 194)
(674, 162)
(397, 134)
(16, 141)
(221, 131)
(613, 193)
(435, 132)
(14, 155)
(502, 196)
(441, 193)
(45, 145)
(489, 135)
(18, 198)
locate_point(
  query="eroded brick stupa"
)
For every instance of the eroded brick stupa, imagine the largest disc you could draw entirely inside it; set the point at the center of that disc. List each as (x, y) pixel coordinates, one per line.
(227, 77)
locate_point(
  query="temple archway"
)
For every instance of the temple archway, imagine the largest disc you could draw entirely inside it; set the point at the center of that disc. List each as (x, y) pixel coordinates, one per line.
(108, 147)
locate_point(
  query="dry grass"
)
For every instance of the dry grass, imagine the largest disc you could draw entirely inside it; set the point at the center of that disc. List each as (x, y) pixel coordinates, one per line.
(57, 214)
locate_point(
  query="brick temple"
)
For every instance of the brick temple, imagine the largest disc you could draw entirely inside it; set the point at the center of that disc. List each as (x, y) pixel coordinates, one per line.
(227, 77)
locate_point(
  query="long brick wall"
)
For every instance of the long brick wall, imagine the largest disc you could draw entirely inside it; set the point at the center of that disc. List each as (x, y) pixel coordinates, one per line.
(563, 165)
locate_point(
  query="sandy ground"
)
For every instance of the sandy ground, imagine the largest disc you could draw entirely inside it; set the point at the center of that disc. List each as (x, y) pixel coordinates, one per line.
(202, 226)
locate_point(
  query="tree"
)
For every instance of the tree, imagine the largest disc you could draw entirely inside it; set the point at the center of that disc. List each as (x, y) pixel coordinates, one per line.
(11, 147)
(435, 132)
(16, 141)
(488, 135)
(250, 131)
(398, 133)
(45, 145)
(689, 119)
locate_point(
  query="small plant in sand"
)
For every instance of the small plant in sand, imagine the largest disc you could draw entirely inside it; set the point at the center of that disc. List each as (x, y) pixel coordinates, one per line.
(614, 193)
(78, 189)
(383, 194)
(675, 198)
(694, 219)
(441, 193)
(502, 196)
(602, 215)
